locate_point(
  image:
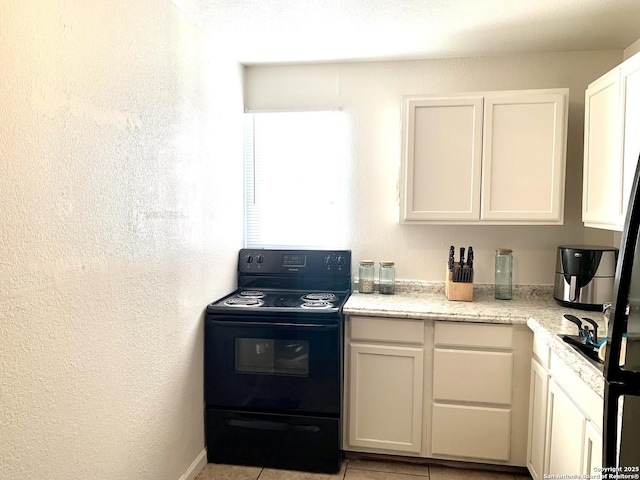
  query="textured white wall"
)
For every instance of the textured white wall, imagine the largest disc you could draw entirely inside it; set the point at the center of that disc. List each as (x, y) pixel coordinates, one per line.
(371, 93)
(121, 207)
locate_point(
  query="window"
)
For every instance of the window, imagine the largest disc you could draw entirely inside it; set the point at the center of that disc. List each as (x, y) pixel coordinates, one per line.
(296, 179)
(272, 356)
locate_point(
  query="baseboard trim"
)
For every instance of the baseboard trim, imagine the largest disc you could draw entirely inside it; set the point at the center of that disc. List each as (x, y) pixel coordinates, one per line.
(196, 467)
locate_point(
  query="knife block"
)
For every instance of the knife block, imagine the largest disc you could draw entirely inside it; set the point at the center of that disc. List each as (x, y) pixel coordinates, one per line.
(457, 290)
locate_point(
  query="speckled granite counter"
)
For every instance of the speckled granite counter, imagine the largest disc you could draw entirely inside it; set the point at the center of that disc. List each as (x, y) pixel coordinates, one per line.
(533, 306)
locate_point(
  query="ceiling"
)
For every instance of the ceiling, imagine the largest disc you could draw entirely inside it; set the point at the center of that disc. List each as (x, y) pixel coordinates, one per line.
(290, 31)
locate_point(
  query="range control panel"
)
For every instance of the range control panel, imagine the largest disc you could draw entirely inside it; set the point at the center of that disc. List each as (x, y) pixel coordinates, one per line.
(314, 262)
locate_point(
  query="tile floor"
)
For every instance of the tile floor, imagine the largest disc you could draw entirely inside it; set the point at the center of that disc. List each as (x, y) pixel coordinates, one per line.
(355, 470)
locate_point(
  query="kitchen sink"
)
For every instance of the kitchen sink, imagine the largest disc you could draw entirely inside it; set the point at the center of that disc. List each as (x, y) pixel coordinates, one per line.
(588, 352)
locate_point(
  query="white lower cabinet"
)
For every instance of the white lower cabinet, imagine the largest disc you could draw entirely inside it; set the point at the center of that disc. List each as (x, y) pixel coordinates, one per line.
(565, 419)
(386, 397)
(537, 419)
(479, 400)
(385, 380)
(592, 457)
(565, 433)
(448, 390)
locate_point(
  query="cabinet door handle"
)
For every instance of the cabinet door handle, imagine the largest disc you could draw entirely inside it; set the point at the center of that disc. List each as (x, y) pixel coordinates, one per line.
(275, 426)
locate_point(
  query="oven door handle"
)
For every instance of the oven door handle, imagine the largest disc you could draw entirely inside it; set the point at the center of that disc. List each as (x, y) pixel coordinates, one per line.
(273, 426)
(314, 326)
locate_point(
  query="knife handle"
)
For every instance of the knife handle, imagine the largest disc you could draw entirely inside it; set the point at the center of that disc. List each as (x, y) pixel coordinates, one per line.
(452, 251)
(461, 257)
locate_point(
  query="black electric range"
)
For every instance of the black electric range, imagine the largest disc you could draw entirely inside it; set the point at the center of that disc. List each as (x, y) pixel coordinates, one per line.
(273, 361)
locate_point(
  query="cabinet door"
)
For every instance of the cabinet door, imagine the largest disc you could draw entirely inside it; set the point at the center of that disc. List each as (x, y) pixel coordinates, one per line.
(565, 433)
(524, 150)
(385, 398)
(602, 176)
(592, 463)
(537, 419)
(630, 101)
(442, 148)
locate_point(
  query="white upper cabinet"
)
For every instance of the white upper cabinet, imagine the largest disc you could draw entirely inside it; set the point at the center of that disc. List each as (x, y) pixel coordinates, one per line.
(630, 101)
(524, 157)
(602, 177)
(611, 145)
(443, 158)
(489, 157)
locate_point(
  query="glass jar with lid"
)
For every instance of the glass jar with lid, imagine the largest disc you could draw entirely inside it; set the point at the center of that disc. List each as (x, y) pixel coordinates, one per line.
(387, 278)
(365, 278)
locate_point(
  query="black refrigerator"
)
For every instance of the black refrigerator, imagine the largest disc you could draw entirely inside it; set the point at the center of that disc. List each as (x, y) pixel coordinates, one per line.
(621, 426)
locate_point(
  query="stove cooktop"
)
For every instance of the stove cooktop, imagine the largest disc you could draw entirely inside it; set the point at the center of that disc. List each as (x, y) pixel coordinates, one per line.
(263, 301)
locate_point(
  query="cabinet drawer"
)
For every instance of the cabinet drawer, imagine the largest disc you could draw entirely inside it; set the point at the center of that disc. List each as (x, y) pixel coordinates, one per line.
(388, 330)
(472, 376)
(471, 432)
(473, 335)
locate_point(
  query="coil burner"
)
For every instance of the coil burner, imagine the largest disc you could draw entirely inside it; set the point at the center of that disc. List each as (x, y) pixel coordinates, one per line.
(251, 294)
(316, 305)
(318, 297)
(244, 302)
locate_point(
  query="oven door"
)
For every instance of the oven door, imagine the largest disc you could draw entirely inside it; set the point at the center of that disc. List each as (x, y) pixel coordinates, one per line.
(271, 366)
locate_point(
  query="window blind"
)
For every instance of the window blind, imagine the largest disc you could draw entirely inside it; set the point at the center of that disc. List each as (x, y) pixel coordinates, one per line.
(296, 179)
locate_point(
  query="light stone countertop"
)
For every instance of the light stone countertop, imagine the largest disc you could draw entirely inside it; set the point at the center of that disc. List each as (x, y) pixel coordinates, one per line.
(531, 306)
